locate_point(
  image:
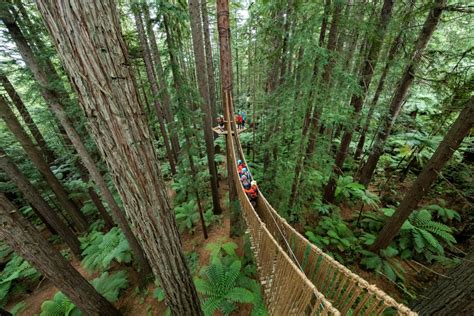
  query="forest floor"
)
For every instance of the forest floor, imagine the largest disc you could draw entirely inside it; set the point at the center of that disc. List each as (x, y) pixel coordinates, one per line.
(133, 301)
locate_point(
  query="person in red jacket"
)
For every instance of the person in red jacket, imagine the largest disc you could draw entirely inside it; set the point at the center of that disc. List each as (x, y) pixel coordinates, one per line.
(252, 193)
(239, 121)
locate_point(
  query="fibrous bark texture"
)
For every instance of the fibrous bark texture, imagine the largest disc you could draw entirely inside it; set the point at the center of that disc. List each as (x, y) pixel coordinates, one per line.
(90, 45)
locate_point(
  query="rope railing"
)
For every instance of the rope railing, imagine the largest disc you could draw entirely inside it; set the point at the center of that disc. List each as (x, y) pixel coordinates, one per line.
(298, 278)
(286, 289)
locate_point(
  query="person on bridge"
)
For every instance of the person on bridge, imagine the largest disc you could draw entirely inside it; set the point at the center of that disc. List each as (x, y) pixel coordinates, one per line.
(221, 123)
(252, 193)
(240, 165)
(245, 182)
(239, 121)
(244, 118)
(245, 172)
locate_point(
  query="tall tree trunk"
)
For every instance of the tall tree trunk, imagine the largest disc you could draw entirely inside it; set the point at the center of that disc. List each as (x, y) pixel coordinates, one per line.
(154, 86)
(93, 51)
(391, 56)
(155, 52)
(33, 196)
(24, 239)
(53, 100)
(200, 61)
(452, 295)
(37, 158)
(428, 175)
(399, 96)
(20, 106)
(209, 61)
(357, 99)
(307, 118)
(326, 78)
(108, 221)
(222, 9)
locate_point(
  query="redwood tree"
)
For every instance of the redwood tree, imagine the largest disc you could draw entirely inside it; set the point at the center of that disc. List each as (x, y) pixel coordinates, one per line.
(33, 196)
(24, 239)
(37, 158)
(357, 99)
(399, 96)
(89, 42)
(428, 175)
(201, 72)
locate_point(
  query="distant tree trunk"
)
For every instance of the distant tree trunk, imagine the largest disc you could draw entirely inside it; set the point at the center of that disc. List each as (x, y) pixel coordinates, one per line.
(37, 158)
(452, 295)
(326, 78)
(200, 61)
(307, 118)
(154, 86)
(428, 175)
(155, 52)
(20, 106)
(25, 240)
(222, 8)
(403, 85)
(32, 195)
(53, 100)
(209, 61)
(92, 51)
(108, 221)
(357, 99)
(391, 56)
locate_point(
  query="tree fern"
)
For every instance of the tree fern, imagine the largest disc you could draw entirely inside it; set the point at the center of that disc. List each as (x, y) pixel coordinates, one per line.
(108, 285)
(99, 249)
(220, 288)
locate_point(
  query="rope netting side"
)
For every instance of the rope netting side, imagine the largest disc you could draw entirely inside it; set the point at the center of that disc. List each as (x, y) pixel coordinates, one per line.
(286, 289)
(346, 290)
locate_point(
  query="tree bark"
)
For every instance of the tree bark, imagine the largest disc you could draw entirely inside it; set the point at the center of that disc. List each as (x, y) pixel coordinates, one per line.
(33, 196)
(357, 99)
(307, 118)
(200, 61)
(24, 239)
(156, 55)
(365, 175)
(90, 45)
(154, 87)
(428, 175)
(391, 56)
(209, 61)
(20, 106)
(452, 295)
(37, 158)
(53, 100)
(222, 8)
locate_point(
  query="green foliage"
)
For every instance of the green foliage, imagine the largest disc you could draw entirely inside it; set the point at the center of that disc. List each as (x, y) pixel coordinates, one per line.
(419, 235)
(222, 249)
(332, 233)
(59, 305)
(384, 263)
(187, 216)
(192, 259)
(110, 286)
(107, 285)
(99, 249)
(13, 276)
(220, 288)
(347, 189)
(18, 308)
(446, 215)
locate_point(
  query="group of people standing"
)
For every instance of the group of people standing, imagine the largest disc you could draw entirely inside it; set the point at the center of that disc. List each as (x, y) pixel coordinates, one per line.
(250, 185)
(239, 117)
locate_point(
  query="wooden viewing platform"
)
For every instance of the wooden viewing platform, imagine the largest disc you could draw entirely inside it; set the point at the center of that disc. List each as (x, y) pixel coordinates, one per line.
(218, 131)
